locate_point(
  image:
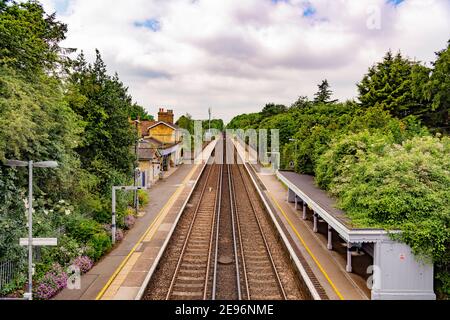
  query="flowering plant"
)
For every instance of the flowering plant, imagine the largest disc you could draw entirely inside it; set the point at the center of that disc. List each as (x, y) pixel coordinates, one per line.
(53, 281)
(119, 235)
(130, 220)
(84, 263)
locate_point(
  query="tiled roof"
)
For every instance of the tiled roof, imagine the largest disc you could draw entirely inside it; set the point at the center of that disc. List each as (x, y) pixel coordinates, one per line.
(144, 125)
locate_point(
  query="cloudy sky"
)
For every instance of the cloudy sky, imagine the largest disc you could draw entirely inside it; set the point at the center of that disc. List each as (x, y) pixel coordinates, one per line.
(237, 55)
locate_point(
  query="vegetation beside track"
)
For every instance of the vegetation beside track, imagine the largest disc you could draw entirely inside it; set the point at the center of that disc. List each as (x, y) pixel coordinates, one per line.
(54, 107)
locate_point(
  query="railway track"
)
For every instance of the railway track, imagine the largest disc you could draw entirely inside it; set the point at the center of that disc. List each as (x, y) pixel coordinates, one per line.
(189, 281)
(224, 246)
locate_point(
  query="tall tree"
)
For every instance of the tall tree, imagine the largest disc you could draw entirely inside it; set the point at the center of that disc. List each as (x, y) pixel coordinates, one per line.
(106, 149)
(437, 91)
(137, 111)
(186, 122)
(388, 84)
(324, 94)
(302, 102)
(29, 37)
(272, 109)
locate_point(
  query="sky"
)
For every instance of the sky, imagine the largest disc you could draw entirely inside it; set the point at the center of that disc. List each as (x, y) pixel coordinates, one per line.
(237, 55)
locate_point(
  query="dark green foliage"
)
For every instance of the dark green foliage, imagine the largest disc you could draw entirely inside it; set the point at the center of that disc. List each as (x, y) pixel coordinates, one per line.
(394, 84)
(215, 124)
(29, 38)
(186, 122)
(138, 112)
(376, 157)
(437, 92)
(245, 121)
(301, 102)
(324, 94)
(98, 245)
(106, 148)
(272, 109)
(406, 186)
(68, 111)
(315, 127)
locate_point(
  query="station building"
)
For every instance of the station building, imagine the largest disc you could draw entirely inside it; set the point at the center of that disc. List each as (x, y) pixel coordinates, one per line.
(160, 148)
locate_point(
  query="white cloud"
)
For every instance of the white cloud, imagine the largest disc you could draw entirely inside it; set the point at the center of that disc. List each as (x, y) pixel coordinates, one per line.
(237, 55)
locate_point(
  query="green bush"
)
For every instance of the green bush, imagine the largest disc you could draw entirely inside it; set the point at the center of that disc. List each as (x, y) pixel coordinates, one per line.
(346, 152)
(406, 187)
(67, 250)
(99, 244)
(83, 229)
(143, 197)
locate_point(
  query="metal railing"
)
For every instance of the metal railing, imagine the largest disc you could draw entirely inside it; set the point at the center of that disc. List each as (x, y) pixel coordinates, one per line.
(8, 271)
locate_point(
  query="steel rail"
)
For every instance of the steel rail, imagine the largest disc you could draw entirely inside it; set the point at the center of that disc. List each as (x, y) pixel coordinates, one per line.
(186, 240)
(215, 216)
(280, 284)
(216, 250)
(239, 235)
(233, 226)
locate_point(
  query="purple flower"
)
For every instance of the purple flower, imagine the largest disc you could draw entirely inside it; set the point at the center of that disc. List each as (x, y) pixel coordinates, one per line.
(130, 220)
(84, 263)
(53, 281)
(119, 235)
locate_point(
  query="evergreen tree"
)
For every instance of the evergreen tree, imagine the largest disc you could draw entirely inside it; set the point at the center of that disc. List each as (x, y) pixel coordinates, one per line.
(106, 150)
(324, 93)
(30, 38)
(302, 102)
(389, 84)
(272, 109)
(437, 91)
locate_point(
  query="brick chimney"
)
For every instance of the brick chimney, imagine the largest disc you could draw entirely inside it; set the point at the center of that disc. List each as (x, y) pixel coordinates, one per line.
(166, 116)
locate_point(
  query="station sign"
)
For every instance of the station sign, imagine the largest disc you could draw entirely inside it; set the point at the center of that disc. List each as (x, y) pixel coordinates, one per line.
(39, 242)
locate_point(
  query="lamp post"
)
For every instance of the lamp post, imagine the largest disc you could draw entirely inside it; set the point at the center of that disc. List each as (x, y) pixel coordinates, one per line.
(30, 165)
(135, 198)
(294, 140)
(275, 166)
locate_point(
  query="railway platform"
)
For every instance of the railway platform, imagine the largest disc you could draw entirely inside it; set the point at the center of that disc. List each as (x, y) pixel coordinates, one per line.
(328, 266)
(120, 274)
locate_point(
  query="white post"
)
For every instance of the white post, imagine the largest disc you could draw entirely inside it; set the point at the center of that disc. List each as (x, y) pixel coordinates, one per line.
(330, 238)
(30, 230)
(315, 223)
(304, 210)
(113, 223)
(348, 268)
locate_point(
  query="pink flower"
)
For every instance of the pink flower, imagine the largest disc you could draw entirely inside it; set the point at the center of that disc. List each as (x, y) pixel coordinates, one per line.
(84, 263)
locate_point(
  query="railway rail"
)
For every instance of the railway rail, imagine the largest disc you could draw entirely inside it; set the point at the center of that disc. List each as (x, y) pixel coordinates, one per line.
(224, 246)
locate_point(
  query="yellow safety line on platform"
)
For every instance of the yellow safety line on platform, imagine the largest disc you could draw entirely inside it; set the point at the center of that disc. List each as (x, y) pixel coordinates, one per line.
(125, 260)
(307, 248)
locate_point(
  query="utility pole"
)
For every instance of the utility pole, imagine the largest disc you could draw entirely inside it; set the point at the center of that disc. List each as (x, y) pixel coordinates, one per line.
(209, 112)
(135, 198)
